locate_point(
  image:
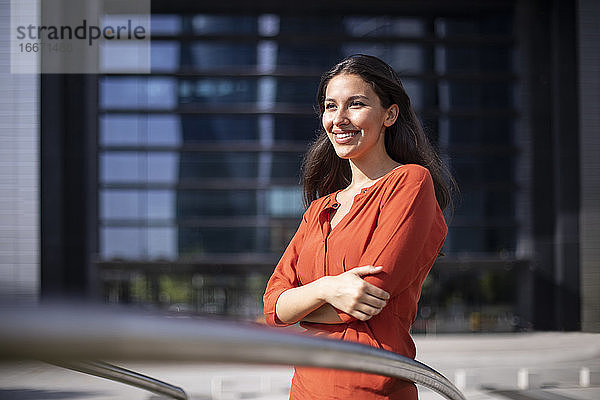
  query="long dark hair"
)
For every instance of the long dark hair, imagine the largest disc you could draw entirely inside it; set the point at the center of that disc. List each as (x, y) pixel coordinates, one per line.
(405, 141)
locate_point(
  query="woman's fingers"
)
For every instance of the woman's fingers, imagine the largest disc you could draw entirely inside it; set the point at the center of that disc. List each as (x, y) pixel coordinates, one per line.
(368, 309)
(350, 293)
(369, 288)
(376, 292)
(364, 312)
(375, 302)
(369, 305)
(360, 315)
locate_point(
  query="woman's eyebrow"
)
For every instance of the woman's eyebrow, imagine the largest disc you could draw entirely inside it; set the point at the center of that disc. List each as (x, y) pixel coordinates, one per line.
(358, 96)
(355, 97)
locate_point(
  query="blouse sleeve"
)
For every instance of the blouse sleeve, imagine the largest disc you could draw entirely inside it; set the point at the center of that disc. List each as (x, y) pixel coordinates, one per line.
(284, 277)
(405, 239)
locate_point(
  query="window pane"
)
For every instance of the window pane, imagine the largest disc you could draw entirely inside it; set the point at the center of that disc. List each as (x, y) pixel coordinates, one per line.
(478, 96)
(195, 203)
(163, 167)
(128, 93)
(218, 165)
(281, 236)
(121, 167)
(161, 204)
(124, 56)
(498, 240)
(403, 58)
(123, 130)
(297, 90)
(384, 26)
(472, 203)
(162, 243)
(285, 201)
(204, 24)
(211, 55)
(138, 243)
(482, 168)
(473, 131)
(286, 165)
(497, 58)
(121, 204)
(321, 57)
(125, 243)
(318, 25)
(164, 56)
(218, 90)
(137, 204)
(164, 130)
(500, 24)
(196, 241)
(302, 129)
(463, 59)
(126, 166)
(479, 202)
(422, 94)
(219, 128)
(165, 24)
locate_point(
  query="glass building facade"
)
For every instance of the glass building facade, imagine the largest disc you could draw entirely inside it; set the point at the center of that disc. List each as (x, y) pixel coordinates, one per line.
(199, 162)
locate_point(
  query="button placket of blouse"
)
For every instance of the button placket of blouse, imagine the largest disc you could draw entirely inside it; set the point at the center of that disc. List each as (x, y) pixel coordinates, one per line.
(334, 206)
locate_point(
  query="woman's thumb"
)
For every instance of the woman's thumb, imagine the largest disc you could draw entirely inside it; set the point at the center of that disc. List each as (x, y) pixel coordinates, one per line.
(366, 270)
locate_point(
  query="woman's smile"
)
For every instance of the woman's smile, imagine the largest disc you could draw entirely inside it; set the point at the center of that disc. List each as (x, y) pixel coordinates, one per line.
(344, 137)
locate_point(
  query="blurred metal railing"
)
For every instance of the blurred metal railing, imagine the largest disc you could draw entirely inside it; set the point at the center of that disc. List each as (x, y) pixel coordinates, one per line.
(128, 377)
(66, 334)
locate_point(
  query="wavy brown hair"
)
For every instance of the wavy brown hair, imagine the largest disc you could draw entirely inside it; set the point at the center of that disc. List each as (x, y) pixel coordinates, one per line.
(405, 141)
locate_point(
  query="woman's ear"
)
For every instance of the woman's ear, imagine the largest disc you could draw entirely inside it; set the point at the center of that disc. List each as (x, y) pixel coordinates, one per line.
(392, 115)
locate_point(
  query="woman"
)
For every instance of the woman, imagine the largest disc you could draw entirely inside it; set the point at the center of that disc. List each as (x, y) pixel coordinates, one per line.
(354, 269)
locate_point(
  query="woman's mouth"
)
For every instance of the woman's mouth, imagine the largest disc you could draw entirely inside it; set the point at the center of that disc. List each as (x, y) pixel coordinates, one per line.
(344, 137)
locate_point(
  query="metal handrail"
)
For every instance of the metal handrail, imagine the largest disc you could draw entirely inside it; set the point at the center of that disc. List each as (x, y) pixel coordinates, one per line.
(75, 334)
(126, 376)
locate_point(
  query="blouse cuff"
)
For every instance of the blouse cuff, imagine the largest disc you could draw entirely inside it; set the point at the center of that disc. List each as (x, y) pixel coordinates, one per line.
(270, 310)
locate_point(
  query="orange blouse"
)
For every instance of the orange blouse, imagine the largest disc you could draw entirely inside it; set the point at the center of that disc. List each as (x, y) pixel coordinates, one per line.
(396, 223)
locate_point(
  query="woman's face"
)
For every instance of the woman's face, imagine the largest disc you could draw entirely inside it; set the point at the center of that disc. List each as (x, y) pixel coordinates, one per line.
(354, 118)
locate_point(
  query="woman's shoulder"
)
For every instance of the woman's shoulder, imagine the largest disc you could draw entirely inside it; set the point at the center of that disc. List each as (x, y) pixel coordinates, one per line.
(409, 173)
(409, 182)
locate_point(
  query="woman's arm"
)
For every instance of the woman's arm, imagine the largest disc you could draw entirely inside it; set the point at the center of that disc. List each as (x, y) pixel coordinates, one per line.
(347, 292)
(410, 234)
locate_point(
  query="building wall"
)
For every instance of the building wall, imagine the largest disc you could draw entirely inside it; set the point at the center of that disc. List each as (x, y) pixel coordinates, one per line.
(19, 177)
(589, 99)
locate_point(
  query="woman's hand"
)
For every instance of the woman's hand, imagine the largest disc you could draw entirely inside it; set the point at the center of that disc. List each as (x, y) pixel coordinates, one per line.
(349, 293)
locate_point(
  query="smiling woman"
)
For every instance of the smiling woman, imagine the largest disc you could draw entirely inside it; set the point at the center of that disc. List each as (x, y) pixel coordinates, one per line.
(371, 233)
(355, 120)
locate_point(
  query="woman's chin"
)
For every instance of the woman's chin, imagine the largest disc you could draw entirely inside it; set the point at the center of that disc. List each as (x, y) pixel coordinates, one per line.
(344, 156)
(344, 153)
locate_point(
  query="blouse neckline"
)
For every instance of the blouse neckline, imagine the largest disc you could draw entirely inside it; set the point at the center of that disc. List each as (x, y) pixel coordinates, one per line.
(364, 190)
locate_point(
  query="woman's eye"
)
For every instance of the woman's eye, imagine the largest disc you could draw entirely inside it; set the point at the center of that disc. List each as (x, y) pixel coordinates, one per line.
(357, 104)
(329, 106)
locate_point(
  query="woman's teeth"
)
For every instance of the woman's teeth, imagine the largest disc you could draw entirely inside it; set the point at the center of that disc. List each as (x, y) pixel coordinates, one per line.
(345, 135)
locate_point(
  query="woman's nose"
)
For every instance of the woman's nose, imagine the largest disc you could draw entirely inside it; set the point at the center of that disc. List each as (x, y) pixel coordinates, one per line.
(340, 117)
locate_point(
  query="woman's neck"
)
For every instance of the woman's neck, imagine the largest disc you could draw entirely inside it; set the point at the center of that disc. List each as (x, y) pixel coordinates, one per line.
(365, 173)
